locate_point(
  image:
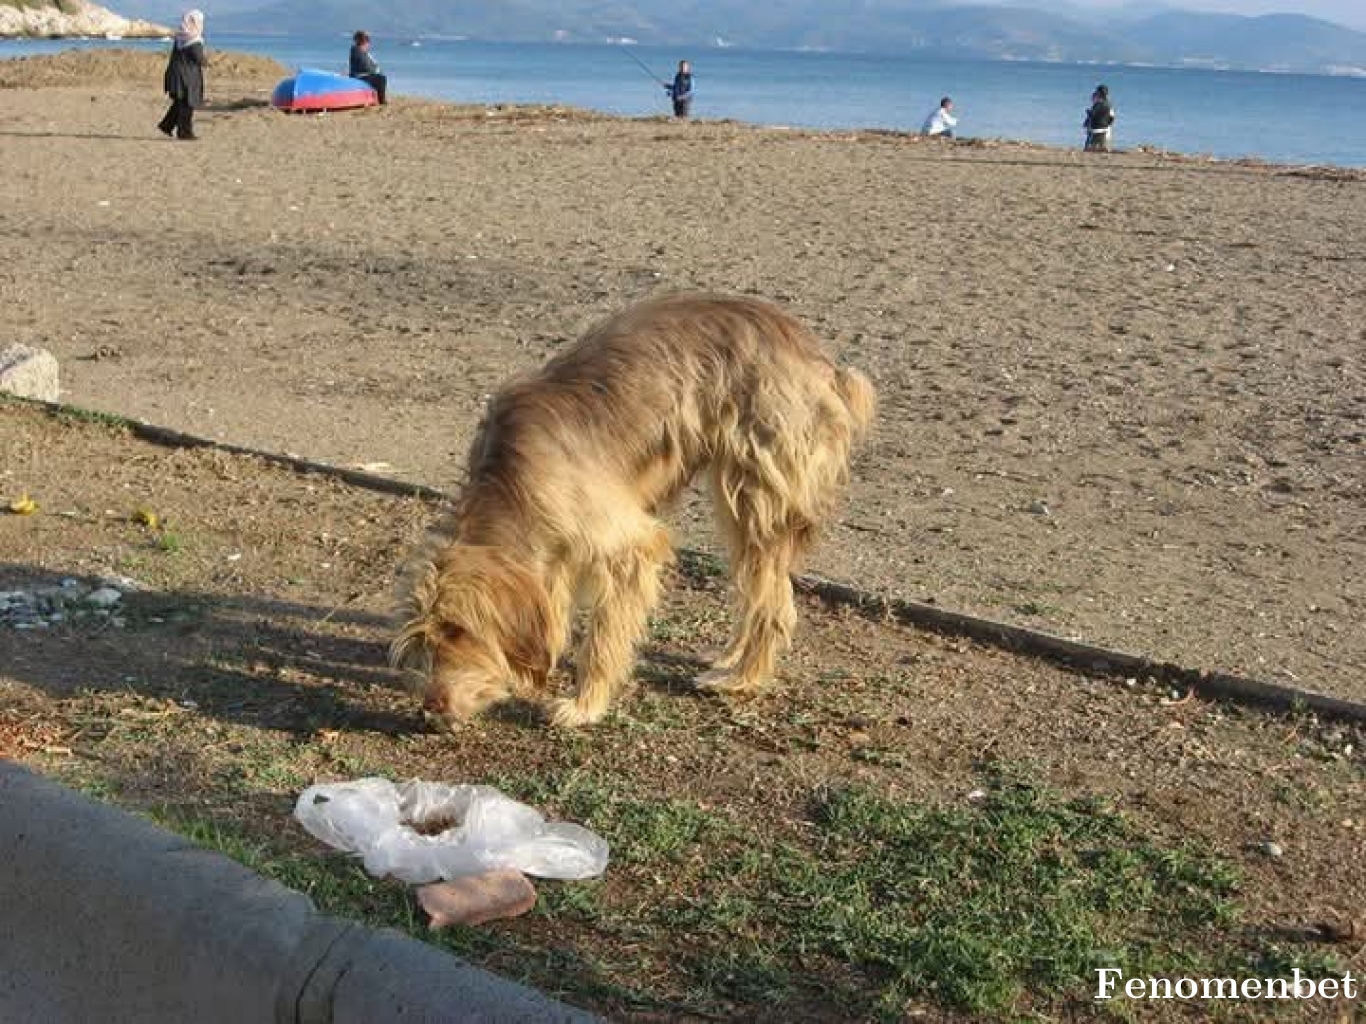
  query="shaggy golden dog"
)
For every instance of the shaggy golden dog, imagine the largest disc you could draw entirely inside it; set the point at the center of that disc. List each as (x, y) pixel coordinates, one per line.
(569, 471)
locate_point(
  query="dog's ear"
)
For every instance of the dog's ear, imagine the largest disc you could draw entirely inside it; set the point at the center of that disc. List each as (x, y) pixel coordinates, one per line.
(487, 595)
(411, 648)
(524, 624)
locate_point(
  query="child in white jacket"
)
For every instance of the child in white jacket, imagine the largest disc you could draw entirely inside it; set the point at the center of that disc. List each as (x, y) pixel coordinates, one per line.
(941, 120)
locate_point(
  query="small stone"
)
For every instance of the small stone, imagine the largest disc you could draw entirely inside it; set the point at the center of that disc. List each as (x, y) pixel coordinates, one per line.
(977, 795)
(29, 373)
(1273, 850)
(105, 597)
(1039, 508)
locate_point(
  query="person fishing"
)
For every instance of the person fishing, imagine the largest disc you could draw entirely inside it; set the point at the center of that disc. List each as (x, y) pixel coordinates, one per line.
(680, 90)
(1099, 117)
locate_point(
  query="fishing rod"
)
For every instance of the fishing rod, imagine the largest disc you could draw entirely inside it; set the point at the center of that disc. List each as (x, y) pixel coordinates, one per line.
(643, 66)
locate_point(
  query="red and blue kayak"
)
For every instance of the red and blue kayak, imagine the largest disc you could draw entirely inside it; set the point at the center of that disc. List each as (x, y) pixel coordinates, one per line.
(312, 90)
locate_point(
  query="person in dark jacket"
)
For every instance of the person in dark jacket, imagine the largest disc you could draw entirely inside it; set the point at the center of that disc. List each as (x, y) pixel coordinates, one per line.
(184, 78)
(363, 65)
(1099, 117)
(680, 91)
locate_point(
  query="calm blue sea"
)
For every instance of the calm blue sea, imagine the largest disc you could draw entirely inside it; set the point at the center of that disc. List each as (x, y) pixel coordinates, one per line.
(1280, 117)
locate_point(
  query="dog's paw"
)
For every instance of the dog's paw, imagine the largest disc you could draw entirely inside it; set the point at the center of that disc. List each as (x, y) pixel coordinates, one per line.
(568, 714)
(439, 722)
(723, 682)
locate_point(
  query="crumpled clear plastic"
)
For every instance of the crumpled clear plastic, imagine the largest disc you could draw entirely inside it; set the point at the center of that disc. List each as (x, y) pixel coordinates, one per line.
(384, 823)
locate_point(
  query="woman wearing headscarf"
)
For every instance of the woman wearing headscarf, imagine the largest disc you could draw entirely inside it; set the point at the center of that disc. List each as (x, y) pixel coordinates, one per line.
(184, 79)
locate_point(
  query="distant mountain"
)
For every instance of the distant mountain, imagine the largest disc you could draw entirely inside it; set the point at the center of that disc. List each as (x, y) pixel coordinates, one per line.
(1142, 32)
(1270, 41)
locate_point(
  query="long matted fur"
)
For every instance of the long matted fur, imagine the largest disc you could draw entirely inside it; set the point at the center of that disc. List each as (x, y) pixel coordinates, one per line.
(569, 471)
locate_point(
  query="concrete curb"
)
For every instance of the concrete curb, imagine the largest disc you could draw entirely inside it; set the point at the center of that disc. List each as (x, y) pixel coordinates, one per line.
(1076, 654)
(109, 918)
(1083, 656)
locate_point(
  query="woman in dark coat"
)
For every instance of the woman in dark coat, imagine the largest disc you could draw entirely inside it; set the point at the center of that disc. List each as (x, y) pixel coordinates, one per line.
(184, 79)
(364, 67)
(1099, 117)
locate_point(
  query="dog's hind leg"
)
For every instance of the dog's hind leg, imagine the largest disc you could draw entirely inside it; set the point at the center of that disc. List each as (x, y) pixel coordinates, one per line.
(624, 589)
(762, 556)
(765, 612)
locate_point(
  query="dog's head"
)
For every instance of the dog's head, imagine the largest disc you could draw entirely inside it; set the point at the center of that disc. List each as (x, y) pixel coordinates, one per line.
(476, 631)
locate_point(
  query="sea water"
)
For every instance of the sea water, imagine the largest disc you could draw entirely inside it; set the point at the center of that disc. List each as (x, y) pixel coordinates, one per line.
(1279, 117)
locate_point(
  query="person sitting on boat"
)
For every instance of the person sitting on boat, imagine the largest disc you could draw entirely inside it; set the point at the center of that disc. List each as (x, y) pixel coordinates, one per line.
(941, 120)
(363, 65)
(680, 91)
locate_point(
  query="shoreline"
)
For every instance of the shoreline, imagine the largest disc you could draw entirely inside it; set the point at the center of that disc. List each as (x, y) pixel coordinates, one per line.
(1220, 150)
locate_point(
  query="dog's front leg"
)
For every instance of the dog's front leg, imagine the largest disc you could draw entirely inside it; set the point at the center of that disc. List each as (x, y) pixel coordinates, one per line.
(625, 590)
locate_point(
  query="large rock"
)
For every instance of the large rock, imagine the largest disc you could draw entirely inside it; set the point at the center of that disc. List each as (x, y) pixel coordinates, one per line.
(70, 18)
(29, 373)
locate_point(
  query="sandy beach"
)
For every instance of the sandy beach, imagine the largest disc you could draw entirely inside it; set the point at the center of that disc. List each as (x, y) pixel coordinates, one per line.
(1122, 396)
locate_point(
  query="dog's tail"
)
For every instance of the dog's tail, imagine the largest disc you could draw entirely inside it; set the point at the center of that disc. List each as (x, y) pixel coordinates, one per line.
(858, 396)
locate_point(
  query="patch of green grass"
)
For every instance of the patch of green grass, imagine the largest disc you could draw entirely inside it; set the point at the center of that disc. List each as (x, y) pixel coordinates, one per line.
(701, 565)
(979, 905)
(640, 831)
(1301, 797)
(170, 543)
(999, 907)
(1014, 899)
(667, 630)
(880, 755)
(72, 414)
(1277, 960)
(130, 564)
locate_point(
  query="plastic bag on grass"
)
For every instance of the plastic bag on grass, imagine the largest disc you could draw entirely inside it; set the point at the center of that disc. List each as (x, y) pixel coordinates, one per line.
(423, 831)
